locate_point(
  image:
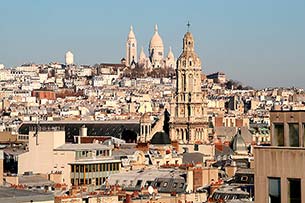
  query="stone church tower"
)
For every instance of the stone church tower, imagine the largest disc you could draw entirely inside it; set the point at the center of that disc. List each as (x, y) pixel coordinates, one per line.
(131, 48)
(188, 123)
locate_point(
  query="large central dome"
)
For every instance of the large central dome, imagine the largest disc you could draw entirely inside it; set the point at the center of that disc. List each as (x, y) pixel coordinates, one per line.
(156, 41)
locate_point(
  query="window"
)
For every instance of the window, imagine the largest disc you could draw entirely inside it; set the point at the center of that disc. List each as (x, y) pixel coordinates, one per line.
(244, 178)
(293, 134)
(278, 134)
(294, 190)
(81, 181)
(181, 185)
(303, 128)
(139, 182)
(274, 190)
(158, 184)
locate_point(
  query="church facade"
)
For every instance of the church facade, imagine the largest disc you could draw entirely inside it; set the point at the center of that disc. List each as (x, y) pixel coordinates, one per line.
(155, 58)
(188, 122)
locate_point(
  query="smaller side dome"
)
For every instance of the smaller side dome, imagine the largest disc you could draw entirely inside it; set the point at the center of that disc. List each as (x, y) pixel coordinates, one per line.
(160, 138)
(142, 54)
(170, 54)
(238, 143)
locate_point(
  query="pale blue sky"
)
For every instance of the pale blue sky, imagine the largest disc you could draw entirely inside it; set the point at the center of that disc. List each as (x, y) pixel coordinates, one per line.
(260, 43)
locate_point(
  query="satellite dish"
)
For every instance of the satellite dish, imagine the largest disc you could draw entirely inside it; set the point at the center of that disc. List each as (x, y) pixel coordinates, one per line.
(150, 190)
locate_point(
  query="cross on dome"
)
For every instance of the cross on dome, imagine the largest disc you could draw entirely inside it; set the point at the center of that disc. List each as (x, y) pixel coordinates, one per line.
(156, 28)
(188, 26)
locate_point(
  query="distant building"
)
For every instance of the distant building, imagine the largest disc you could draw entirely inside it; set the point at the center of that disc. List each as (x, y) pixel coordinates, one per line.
(44, 94)
(156, 57)
(131, 48)
(218, 77)
(279, 168)
(69, 58)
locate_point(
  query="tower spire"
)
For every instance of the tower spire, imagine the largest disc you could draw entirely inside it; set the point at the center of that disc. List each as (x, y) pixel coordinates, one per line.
(156, 28)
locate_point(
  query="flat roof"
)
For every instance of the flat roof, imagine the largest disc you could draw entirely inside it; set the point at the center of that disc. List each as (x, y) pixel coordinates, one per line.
(10, 195)
(287, 111)
(86, 146)
(96, 161)
(132, 121)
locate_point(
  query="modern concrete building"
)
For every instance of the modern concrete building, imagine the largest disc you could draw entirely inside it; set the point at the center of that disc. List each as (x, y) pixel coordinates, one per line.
(71, 164)
(279, 168)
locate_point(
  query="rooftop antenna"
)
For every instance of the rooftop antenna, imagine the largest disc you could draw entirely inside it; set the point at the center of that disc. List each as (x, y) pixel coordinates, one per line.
(188, 26)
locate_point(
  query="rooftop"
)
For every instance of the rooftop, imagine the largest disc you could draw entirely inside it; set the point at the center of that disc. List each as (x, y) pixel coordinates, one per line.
(97, 161)
(10, 195)
(77, 147)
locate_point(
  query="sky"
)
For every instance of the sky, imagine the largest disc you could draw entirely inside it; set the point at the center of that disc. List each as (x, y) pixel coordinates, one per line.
(260, 43)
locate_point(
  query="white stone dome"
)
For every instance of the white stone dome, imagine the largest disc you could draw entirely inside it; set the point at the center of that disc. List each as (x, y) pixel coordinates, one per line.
(156, 40)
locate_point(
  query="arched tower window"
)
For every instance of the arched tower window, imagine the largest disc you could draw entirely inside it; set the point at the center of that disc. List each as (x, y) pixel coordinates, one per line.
(191, 82)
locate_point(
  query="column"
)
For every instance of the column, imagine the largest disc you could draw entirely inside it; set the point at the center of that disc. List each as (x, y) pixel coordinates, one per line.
(286, 134)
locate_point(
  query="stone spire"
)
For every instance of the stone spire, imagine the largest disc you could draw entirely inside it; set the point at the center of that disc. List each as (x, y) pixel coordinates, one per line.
(188, 108)
(131, 47)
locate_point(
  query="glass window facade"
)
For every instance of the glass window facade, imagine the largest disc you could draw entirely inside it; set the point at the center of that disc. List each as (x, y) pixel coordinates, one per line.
(294, 191)
(274, 190)
(278, 134)
(92, 174)
(293, 134)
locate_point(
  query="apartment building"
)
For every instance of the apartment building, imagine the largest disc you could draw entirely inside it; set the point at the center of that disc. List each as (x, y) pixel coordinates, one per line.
(279, 168)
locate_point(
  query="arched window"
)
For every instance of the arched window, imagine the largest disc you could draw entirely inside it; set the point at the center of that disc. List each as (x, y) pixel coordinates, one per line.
(191, 82)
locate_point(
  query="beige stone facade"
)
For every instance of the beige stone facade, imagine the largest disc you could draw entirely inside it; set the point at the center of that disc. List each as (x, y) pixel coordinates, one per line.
(188, 123)
(131, 48)
(279, 169)
(278, 162)
(39, 158)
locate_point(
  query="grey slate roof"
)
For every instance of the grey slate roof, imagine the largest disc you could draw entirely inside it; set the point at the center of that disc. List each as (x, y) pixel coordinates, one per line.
(11, 195)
